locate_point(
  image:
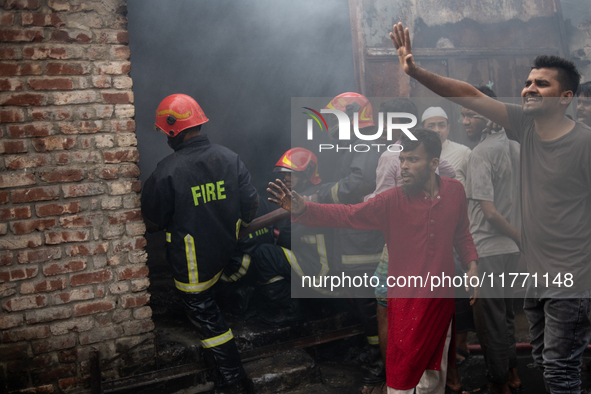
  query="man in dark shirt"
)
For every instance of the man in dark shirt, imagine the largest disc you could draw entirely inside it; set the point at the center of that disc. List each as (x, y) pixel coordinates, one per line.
(584, 103)
(556, 204)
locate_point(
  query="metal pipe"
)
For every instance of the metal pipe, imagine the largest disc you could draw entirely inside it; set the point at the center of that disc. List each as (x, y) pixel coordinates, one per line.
(264, 221)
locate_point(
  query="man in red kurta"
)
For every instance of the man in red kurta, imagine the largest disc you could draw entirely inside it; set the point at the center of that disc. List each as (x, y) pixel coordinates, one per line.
(422, 222)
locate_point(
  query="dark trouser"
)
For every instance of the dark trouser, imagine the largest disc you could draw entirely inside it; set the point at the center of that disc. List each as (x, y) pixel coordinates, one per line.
(215, 335)
(274, 274)
(560, 330)
(494, 317)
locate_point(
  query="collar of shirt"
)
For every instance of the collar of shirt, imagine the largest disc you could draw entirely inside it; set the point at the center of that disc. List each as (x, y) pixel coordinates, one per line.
(422, 195)
(194, 141)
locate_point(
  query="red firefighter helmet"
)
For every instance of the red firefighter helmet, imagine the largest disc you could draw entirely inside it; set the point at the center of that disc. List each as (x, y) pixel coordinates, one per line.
(178, 112)
(299, 160)
(351, 102)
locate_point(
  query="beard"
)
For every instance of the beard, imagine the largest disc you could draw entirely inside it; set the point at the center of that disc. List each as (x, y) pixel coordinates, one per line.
(415, 187)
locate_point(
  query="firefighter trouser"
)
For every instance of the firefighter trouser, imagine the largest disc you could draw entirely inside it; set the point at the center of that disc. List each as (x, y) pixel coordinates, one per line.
(216, 337)
(274, 273)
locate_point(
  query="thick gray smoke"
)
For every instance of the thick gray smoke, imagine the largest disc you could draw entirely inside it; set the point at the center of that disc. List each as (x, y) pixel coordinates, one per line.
(242, 61)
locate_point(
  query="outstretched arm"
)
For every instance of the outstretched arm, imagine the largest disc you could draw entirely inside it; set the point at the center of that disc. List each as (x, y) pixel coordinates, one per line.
(457, 91)
(286, 199)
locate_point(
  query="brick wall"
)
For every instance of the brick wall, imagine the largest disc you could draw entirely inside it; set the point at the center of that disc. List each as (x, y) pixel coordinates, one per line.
(72, 265)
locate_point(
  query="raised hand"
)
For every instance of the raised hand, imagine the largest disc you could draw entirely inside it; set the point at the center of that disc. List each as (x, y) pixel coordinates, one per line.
(401, 39)
(286, 199)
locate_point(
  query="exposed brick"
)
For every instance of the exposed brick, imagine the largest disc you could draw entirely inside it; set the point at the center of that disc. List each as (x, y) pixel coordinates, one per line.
(11, 84)
(78, 325)
(29, 161)
(44, 361)
(119, 288)
(50, 84)
(20, 242)
(75, 97)
(132, 273)
(57, 209)
(28, 226)
(100, 335)
(70, 68)
(30, 130)
(26, 334)
(113, 68)
(125, 217)
(11, 147)
(50, 52)
(4, 197)
(53, 344)
(101, 81)
(39, 256)
(122, 82)
(83, 127)
(114, 37)
(118, 188)
(7, 19)
(140, 284)
(131, 301)
(21, 4)
(23, 99)
(118, 97)
(11, 275)
(26, 302)
(64, 267)
(20, 68)
(123, 125)
(10, 321)
(11, 115)
(95, 111)
(68, 356)
(145, 312)
(35, 194)
(135, 229)
(124, 111)
(84, 220)
(83, 293)
(48, 315)
(8, 53)
(3, 228)
(41, 20)
(88, 278)
(79, 157)
(136, 327)
(7, 289)
(15, 213)
(77, 36)
(53, 143)
(69, 384)
(121, 155)
(120, 52)
(85, 189)
(90, 249)
(54, 374)
(16, 179)
(56, 237)
(43, 285)
(138, 256)
(6, 259)
(21, 35)
(110, 203)
(17, 351)
(127, 245)
(61, 175)
(93, 307)
(51, 113)
(59, 5)
(109, 173)
(112, 232)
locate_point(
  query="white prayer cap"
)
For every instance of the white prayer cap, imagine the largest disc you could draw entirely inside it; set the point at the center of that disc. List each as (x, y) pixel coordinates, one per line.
(433, 111)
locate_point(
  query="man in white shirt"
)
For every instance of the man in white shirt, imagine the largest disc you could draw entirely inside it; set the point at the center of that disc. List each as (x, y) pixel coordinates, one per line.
(435, 118)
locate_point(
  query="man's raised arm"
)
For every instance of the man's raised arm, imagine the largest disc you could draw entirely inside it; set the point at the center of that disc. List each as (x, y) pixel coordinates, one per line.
(457, 91)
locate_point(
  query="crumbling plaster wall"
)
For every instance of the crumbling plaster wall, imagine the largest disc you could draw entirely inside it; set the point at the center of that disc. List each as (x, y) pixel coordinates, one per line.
(73, 274)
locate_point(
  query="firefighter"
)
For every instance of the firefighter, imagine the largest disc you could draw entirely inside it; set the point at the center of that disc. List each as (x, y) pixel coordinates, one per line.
(201, 195)
(299, 249)
(358, 252)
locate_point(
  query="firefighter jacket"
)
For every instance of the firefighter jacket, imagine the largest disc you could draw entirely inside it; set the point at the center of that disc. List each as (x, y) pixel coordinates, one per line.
(358, 250)
(241, 260)
(201, 194)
